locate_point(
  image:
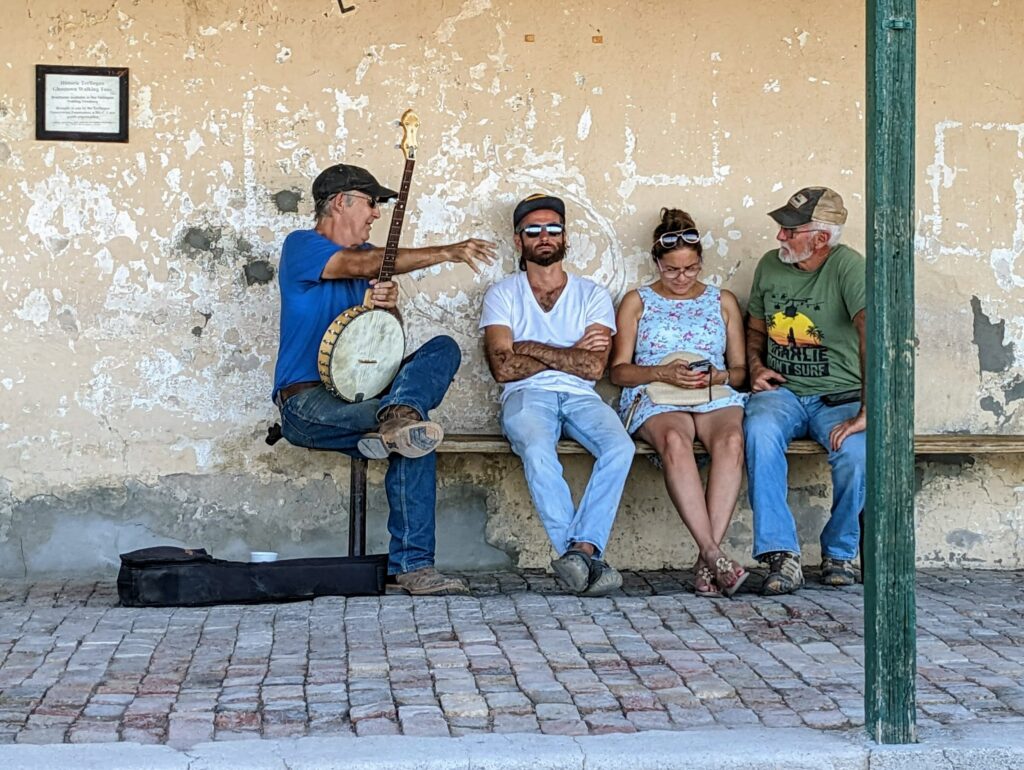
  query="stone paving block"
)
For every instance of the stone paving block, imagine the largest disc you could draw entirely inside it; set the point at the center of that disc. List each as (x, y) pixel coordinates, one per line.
(41, 735)
(695, 716)
(412, 696)
(518, 723)
(382, 709)
(185, 732)
(650, 720)
(603, 722)
(480, 724)
(597, 701)
(564, 727)
(558, 711)
(509, 702)
(462, 705)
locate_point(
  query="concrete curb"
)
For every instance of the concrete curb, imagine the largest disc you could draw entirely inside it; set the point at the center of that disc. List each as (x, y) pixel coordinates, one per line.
(965, 748)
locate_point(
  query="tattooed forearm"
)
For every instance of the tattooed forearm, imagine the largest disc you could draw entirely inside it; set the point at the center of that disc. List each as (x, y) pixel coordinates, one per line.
(507, 366)
(587, 364)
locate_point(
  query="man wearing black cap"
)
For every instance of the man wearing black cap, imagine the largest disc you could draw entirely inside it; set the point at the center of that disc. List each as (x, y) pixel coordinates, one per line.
(805, 352)
(323, 272)
(547, 337)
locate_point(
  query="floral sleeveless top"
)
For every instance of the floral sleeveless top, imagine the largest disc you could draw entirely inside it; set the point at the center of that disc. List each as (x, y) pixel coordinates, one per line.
(669, 325)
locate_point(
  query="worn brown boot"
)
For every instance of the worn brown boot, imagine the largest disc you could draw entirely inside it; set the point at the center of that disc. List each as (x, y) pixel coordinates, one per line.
(401, 431)
(429, 582)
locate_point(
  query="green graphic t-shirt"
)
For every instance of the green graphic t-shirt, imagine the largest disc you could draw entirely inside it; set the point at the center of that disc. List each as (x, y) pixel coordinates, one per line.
(812, 341)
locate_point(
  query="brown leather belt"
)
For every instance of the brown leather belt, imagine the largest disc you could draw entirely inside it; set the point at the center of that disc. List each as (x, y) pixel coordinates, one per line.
(296, 387)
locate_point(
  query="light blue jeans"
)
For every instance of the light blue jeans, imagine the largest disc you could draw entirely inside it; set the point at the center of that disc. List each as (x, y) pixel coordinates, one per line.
(774, 418)
(533, 420)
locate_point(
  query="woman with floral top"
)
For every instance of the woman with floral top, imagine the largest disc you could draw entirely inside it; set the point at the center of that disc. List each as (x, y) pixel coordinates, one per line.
(679, 313)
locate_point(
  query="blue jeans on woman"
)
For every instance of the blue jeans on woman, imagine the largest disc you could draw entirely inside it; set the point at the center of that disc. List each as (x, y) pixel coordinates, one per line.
(774, 418)
(315, 419)
(534, 420)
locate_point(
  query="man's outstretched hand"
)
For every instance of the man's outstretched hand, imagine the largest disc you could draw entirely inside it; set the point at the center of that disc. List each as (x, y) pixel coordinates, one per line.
(474, 252)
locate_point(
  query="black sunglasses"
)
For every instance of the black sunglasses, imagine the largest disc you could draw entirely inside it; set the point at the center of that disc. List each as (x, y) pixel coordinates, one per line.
(534, 231)
(372, 201)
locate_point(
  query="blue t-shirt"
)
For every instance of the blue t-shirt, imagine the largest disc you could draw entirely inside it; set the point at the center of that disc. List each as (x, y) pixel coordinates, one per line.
(309, 303)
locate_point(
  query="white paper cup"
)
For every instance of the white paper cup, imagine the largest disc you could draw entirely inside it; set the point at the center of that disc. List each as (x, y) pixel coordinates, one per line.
(255, 556)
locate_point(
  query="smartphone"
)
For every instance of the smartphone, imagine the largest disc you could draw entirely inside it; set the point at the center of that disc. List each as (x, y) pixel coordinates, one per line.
(843, 397)
(702, 365)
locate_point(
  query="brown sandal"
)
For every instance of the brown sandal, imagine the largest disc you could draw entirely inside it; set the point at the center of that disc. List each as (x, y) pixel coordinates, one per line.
(729, 575)
(704, 582)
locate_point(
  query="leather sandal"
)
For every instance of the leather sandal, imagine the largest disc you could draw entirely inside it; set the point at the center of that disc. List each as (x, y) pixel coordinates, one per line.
(729, 575)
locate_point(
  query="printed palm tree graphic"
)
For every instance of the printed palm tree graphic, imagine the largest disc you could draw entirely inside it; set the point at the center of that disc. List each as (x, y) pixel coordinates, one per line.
(789, 327)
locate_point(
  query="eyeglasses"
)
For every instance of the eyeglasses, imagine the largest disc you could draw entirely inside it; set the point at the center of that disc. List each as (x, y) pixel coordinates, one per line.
(534, 231)
(791, 231)
(374, 203)
(673, 272)
(671, 240)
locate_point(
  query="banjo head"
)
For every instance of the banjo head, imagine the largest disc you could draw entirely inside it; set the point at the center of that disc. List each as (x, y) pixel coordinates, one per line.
(365, 354)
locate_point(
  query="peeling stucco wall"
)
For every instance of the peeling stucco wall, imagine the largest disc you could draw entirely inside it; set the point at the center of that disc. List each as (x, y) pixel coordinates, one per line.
(138, 302)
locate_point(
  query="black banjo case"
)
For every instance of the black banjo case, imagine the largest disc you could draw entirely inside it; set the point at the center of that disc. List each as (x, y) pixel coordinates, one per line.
(166, 576)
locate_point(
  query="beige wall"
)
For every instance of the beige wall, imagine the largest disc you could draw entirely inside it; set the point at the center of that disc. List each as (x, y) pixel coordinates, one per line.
(138, 305)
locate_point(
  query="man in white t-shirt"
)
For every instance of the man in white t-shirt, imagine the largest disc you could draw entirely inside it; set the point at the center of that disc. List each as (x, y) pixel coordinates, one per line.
(547, 335)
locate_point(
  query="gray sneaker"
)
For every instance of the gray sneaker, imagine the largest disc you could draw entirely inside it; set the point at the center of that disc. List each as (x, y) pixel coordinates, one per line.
(604, 578)
(784, 573)
(427, 581)
(574, 568)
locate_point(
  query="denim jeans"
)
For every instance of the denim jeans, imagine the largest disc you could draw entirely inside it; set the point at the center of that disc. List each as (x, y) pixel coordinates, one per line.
(775, 417)
(314, 418)
(534, 420)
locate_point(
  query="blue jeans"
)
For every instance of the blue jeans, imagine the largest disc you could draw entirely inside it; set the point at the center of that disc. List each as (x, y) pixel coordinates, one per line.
(314, 418)
(534, 420)
(774, 418)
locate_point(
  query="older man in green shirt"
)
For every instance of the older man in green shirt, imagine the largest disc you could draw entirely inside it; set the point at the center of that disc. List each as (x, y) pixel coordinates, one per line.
(805, 353)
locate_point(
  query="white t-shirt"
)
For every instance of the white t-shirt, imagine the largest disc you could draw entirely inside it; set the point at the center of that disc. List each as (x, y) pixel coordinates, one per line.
(511, 303)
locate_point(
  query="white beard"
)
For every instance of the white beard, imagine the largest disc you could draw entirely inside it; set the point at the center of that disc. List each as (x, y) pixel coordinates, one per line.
(790, 257)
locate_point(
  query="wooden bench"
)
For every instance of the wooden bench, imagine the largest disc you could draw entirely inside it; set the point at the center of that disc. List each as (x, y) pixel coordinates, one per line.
(924, 445)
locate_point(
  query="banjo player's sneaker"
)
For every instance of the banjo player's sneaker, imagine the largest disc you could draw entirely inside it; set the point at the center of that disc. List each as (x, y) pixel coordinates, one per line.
(403, 432)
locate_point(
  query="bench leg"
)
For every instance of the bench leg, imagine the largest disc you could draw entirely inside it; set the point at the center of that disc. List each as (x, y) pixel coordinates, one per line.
(357, 508)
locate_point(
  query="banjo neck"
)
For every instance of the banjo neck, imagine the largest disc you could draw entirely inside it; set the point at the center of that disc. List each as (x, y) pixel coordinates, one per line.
(387, 265)
(410, 125)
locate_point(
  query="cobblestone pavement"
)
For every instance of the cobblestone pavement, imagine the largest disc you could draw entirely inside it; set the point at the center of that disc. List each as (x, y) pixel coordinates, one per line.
(519, 656)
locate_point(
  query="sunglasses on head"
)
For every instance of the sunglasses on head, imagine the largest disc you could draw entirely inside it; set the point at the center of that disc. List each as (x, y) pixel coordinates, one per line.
(534, 231)
(670, 240)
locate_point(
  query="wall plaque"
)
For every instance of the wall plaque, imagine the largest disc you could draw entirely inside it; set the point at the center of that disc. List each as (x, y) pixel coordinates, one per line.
(82, 103)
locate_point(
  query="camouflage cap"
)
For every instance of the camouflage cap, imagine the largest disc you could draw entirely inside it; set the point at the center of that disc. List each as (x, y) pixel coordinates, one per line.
(811, 204)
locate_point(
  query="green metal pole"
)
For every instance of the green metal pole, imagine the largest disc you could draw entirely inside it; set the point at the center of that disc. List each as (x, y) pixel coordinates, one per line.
(889, 614)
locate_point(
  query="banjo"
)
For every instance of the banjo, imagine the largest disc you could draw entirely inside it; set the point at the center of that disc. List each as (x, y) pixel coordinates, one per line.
(363, 347)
